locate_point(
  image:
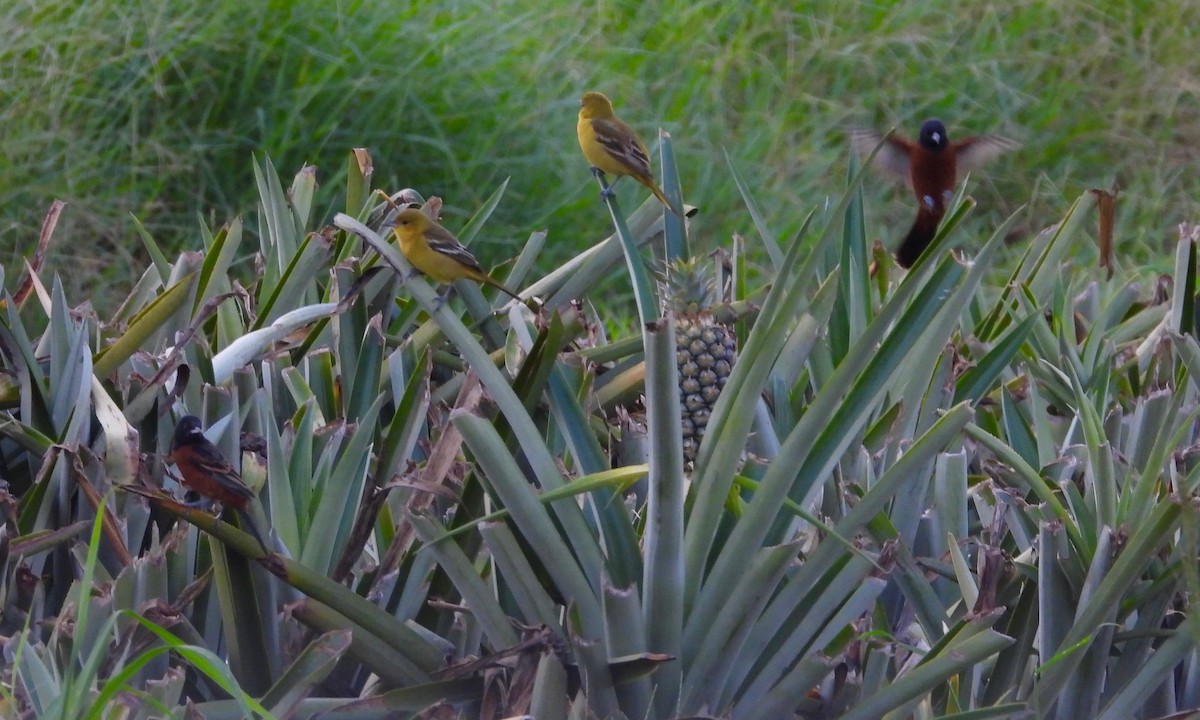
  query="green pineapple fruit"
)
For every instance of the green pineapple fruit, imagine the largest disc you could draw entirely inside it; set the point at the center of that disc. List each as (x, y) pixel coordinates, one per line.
(705, 348)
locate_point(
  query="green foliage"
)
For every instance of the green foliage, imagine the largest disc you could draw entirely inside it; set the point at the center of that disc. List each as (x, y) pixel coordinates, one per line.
(917, 495)
(153, 109)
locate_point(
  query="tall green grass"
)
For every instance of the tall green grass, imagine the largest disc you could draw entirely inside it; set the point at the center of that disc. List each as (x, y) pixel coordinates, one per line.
(152, 109)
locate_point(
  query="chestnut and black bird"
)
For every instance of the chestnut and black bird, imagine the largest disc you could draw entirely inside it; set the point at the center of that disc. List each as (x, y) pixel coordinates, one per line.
(930, 166)
(206, 472)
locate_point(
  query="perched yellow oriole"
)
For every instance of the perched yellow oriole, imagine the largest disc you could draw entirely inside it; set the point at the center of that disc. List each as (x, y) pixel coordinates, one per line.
(435, 252)
(613, 147)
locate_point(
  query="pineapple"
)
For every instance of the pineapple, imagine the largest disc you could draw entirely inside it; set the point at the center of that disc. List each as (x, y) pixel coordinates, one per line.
(705, 348)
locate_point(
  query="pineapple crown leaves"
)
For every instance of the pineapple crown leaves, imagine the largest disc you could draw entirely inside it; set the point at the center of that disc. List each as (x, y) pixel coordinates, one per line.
(689, 285)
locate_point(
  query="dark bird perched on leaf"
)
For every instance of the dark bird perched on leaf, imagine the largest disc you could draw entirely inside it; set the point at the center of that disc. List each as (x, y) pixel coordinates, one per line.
(206, 471)
(930, 167)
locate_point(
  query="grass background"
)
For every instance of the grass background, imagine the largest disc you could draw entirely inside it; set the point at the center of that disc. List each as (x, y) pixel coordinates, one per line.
(153, 109)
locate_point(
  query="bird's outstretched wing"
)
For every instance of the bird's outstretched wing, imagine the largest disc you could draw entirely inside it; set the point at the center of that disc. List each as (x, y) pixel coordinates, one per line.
(892, 157)
(975, 151)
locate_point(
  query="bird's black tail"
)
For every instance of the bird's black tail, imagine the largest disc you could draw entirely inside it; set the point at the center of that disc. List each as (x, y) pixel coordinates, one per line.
(922, 233)
(248, 525)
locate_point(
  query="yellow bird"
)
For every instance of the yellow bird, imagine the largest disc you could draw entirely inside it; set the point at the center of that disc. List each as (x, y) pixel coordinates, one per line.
(434, 251)
(613, 147)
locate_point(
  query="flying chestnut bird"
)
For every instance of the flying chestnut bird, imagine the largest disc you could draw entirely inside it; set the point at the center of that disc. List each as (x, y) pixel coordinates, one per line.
(930, 167)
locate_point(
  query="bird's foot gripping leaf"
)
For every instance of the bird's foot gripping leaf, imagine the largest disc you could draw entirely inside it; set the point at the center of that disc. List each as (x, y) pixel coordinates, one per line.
(442, 298)
(606, 190)
(203, 503)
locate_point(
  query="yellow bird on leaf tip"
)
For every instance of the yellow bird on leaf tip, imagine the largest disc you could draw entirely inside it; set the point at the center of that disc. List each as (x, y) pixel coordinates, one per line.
(612, 147)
